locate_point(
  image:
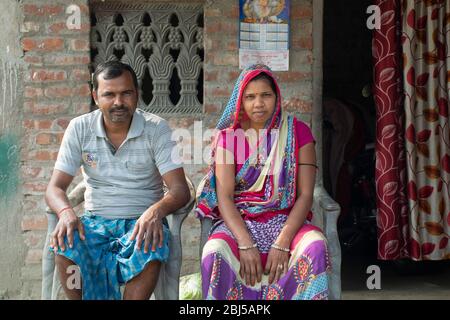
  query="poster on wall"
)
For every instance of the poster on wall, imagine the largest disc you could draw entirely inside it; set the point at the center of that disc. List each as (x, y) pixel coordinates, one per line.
(264, 33)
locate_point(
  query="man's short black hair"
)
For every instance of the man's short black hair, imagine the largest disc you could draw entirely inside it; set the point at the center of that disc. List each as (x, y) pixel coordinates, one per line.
(112, 70)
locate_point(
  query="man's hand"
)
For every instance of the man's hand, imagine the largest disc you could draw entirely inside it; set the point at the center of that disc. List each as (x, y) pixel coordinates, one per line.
(148, 228)
(67, 224)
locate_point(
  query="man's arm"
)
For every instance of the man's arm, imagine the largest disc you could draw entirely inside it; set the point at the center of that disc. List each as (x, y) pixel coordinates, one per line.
(56, 199)
(148, 228)
(55, 196)
(178, 193)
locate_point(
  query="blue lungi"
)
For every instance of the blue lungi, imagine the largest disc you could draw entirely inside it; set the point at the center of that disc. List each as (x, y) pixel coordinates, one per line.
(107, 258)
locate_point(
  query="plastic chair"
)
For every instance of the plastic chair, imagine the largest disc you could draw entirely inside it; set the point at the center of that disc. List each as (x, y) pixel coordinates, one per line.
(168, 282)
(326, 212)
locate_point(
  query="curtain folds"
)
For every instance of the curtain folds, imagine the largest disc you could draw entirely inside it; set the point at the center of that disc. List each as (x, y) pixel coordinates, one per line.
(411, 55)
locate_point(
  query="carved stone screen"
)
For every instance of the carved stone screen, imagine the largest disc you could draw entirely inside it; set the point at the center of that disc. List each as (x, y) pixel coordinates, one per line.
(164, 45)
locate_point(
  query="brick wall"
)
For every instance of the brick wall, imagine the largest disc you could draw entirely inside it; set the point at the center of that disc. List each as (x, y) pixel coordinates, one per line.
(56, 90)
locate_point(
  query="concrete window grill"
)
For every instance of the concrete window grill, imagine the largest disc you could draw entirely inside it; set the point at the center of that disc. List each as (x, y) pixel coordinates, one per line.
(164, 45)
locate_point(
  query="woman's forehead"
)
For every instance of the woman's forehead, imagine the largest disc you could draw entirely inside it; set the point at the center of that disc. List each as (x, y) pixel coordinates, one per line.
(259, 84)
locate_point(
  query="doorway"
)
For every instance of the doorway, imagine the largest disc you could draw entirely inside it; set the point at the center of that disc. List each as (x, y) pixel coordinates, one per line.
(349, 123)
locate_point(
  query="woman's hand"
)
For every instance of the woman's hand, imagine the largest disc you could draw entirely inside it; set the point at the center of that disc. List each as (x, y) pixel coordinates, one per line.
(251, 267)
(277, 264)
(148, 228)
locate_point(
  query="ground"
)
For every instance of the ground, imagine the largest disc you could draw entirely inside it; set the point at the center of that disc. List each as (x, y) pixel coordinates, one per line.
(428, 280)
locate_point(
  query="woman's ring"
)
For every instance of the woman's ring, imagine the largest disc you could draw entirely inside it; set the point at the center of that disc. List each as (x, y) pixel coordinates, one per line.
(280, 266)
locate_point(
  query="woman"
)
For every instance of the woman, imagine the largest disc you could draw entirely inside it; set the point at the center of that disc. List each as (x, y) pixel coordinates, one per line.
(259, 193)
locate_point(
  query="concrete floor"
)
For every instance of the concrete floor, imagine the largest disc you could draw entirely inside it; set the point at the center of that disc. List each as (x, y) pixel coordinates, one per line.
(429, 280)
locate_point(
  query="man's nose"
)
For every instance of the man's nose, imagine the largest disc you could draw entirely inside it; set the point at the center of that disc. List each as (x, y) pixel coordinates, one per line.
(118, 101)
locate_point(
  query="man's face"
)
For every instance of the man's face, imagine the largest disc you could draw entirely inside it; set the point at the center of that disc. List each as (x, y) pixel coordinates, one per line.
(116, 98)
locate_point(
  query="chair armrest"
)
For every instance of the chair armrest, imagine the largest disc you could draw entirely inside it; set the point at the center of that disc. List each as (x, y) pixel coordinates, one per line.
(329, 211)
(167, 287)
(176, 218)
(76, 196)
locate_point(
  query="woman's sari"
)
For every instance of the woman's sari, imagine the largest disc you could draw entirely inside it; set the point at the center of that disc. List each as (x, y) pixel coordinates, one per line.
(265, 192)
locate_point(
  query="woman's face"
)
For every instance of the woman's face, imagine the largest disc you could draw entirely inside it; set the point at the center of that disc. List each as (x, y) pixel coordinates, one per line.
(258, 102)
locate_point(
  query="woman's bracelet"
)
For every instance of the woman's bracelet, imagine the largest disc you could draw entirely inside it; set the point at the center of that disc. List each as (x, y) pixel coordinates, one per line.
(248, 247)
(275, 246)
(308, 164)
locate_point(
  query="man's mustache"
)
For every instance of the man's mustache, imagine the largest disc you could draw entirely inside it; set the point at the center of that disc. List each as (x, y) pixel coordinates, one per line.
(118, 108)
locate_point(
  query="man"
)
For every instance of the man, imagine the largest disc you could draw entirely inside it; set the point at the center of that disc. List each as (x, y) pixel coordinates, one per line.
(125, 155)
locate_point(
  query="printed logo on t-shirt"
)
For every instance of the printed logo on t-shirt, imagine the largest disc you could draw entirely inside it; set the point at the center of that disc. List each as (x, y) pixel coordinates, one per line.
(90, 159)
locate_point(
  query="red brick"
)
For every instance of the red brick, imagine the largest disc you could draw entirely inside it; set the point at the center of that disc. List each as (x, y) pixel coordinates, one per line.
(68, 60)
(80, 75)
(232, 75)
(33, 240)
(48, 109)
(302, 43)
(63, 123)
(292, 76)
(43, 124)
(35, 187)
(43, 155)
(227, 59)
(34, 256)
(84, 8)
(42, 45)
(29, 205)
(44, 10)
(82, 91)
(31, 172)
(29, 124)
(48, 75)
(211, 75)
(79, 45)
(82, 108)
(296, 104)
(220, 92)
(213, 12)
(31, 92)
(34, 60)
(34, 222)
(301, 12)
(233, 12)
(60, 91)
(61, 28)
(217, 28)
(232, 45)
(212, 108)
(45, 138)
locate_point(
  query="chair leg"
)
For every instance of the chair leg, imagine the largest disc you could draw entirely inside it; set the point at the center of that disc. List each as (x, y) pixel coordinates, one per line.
(56, 287)
(48, 261)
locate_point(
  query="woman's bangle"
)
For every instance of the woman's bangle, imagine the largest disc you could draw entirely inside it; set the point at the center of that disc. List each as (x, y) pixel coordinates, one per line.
(275, 246)
(62, 210)
(248, 247)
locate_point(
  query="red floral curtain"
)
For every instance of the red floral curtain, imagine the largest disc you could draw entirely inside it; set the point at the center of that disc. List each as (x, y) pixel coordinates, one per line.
(411, 55)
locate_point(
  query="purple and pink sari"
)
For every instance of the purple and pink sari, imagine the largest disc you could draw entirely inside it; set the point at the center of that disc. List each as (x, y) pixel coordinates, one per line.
(265, 192)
